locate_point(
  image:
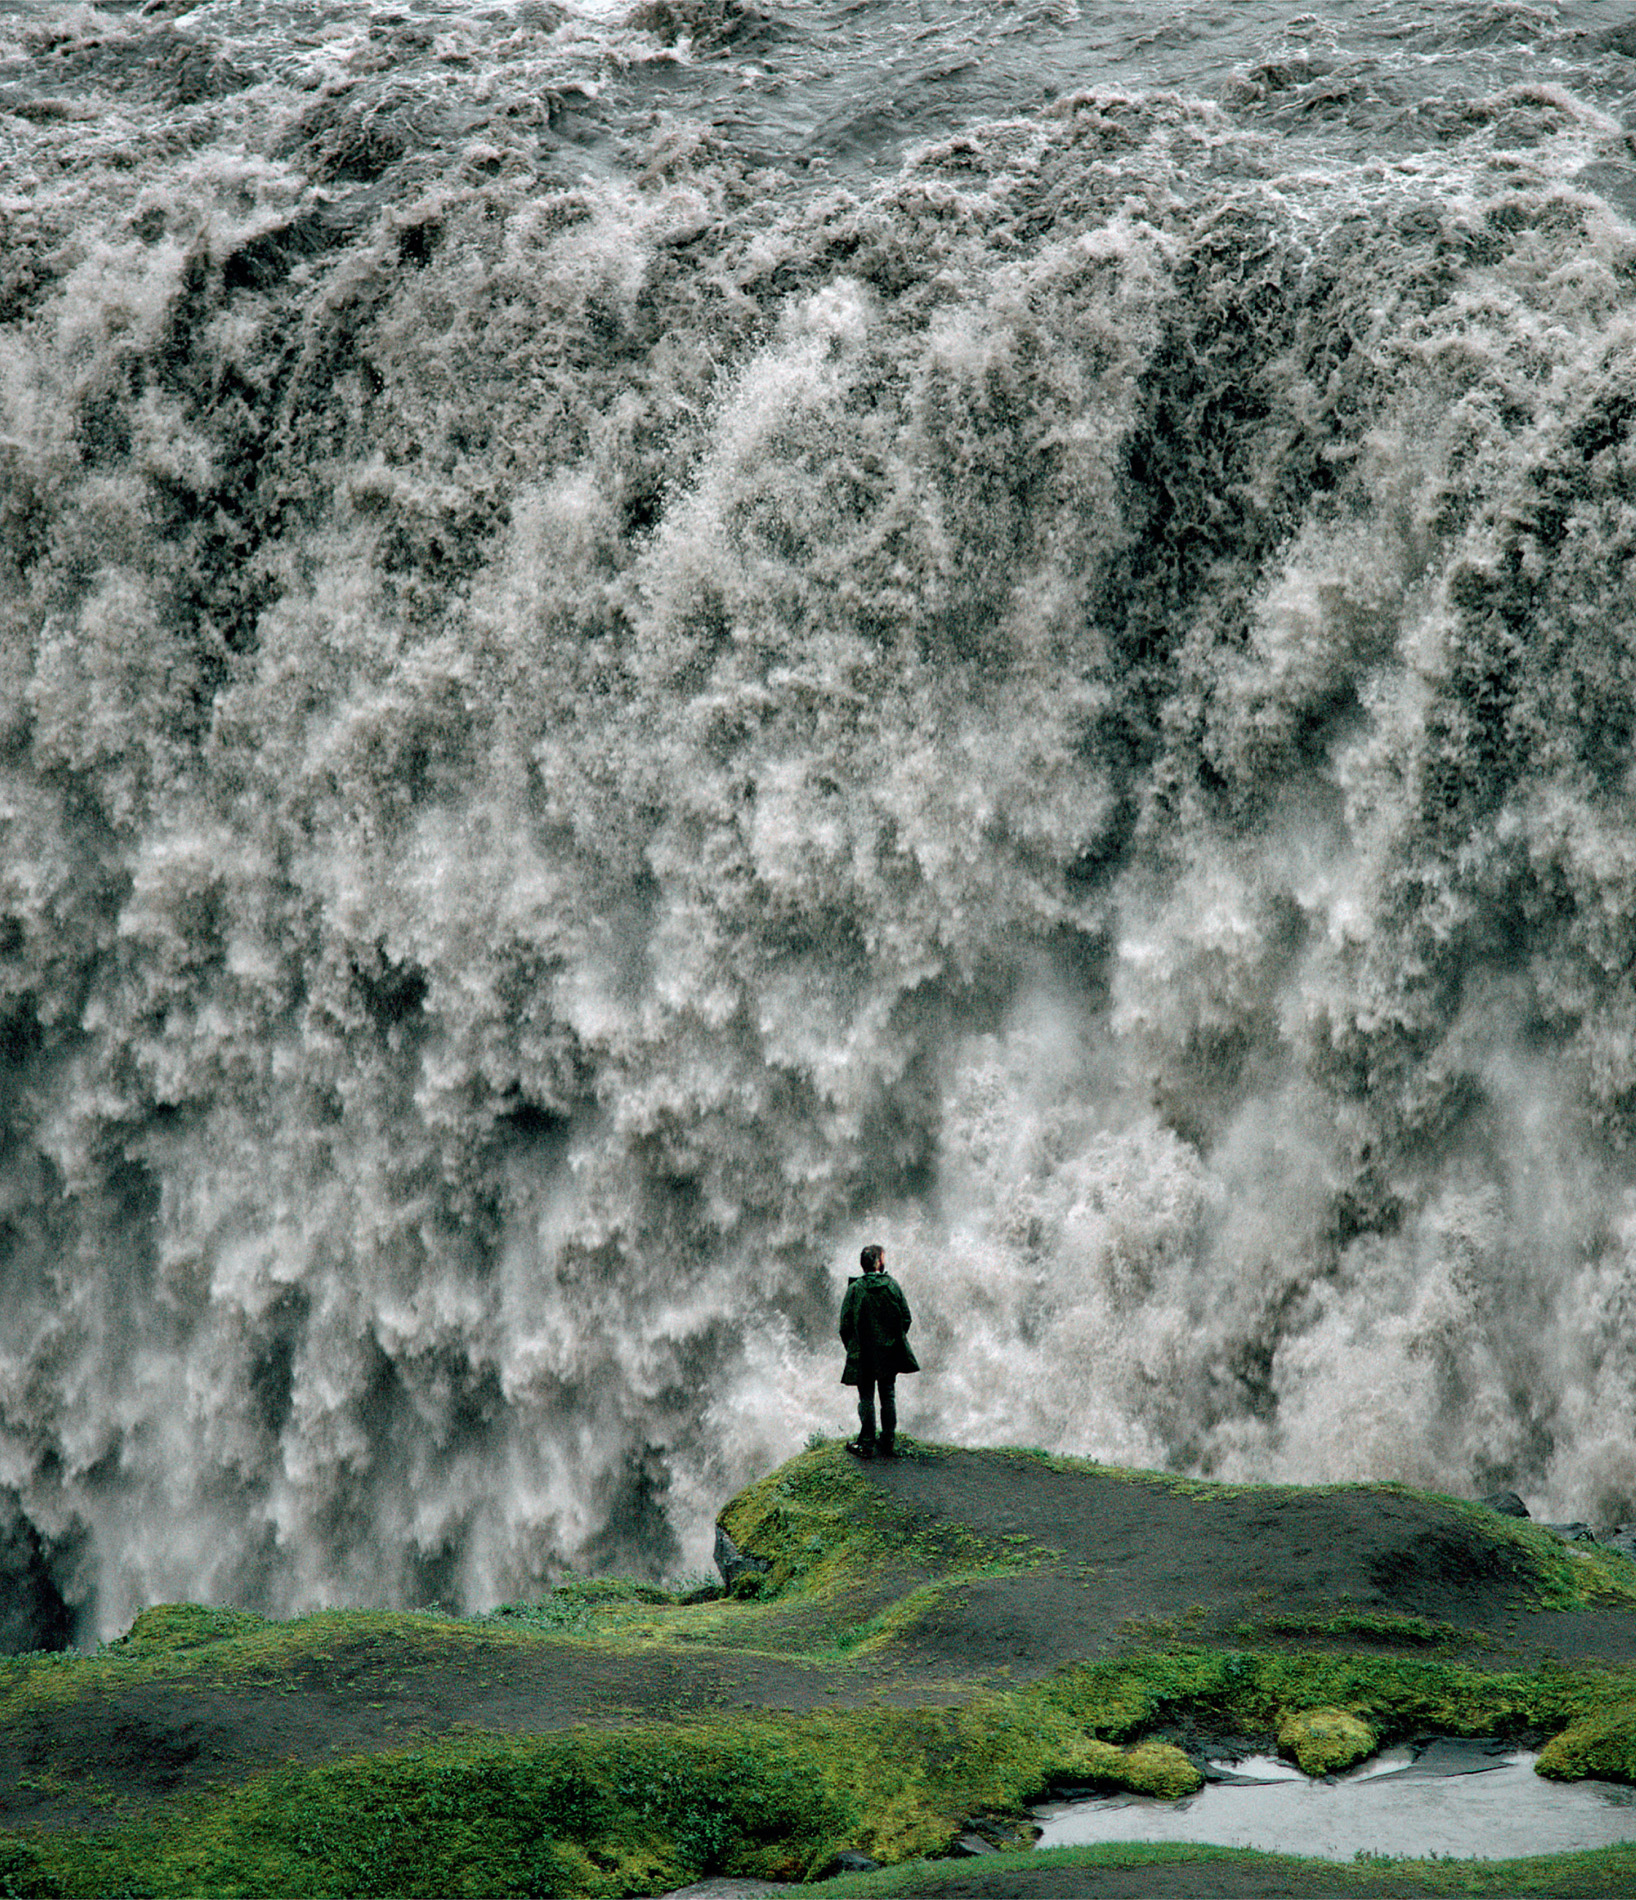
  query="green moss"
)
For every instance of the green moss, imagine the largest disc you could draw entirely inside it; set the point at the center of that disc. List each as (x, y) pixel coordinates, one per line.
(1149, 1768)
(592, 1814)
(173, 1626)
(181, 1644)
(583, 1605)
(655, 1805)
(1607, 1873)
(824, 1528)
(22, 1877)
(588, 1815)
(1601, 1746)
(1369, 1627)
(1324, 1741)
(1249, 1692)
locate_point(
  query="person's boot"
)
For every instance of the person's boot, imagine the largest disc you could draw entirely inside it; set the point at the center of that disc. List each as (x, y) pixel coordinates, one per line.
(886, 1448)
(861, 1447)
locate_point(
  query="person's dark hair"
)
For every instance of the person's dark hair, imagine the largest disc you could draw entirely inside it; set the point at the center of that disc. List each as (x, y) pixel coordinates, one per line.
(871, 1257)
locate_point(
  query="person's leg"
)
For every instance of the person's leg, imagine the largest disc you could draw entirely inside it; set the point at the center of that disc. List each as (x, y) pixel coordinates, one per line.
(888, 1414)
(866, 1414)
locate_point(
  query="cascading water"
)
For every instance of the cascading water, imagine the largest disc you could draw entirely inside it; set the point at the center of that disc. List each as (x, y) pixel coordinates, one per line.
(597, 707)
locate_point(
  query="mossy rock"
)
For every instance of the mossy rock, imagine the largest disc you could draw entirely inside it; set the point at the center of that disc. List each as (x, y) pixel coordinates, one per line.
(1149, 1768)
(1324, 1741)
(1601, 1746)
(189, 1625)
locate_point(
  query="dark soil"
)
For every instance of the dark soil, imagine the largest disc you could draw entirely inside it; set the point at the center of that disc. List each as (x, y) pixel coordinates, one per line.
(1141, 1562)
(103, 1756)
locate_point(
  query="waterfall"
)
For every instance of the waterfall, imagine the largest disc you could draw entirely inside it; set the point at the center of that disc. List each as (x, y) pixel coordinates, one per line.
(574, 748)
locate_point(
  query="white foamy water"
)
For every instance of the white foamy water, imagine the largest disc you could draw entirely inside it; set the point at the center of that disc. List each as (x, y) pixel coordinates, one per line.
(1496, 1810)
(609, 687)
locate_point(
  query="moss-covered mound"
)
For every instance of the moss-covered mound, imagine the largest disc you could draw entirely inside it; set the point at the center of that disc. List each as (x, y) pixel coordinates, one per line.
(1324, 1741)
(937, 1642)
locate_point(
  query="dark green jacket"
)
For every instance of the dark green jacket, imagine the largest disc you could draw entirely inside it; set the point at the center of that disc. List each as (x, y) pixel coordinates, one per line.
(874, 1319)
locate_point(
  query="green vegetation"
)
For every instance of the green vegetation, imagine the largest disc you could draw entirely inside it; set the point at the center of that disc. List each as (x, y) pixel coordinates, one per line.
(1601, 1744)
(1325, 1741)
(1148, 1768)
(827, 1530)
(653, 1805)
(1609, 1871)
(642, 1808)
(1249, 1692)
(1360, 1626)
(645, 1782)
(186, 1645)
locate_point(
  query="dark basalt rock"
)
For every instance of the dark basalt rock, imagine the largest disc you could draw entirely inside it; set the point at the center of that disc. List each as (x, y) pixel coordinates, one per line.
(850, 1861)
(1507, 1503)
(33, 1613)
(734, 1563)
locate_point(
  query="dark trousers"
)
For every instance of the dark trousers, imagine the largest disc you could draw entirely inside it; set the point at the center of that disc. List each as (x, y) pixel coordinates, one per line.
(887, 1384)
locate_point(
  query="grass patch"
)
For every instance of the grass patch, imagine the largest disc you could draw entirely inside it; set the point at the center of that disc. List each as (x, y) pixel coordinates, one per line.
(587, 1814)
(824, 1528)
(1609, 1871)
(1367, 1626)
(655, 1805)
(184, 1644)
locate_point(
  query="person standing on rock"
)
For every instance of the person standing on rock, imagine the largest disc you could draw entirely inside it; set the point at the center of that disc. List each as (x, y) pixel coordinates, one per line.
(874, 1324)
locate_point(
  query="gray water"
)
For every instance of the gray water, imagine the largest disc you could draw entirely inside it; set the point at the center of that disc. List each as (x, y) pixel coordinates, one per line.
(637, 647)
(1405, 1802)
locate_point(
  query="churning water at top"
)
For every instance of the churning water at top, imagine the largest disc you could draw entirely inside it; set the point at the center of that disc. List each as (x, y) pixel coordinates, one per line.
(638, 644)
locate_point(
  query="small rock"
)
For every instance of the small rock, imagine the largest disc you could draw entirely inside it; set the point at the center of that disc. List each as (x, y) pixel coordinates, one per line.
(1507, 1503)
(969, 1846)
(1574, 1533)
(1326, 1741)
(851, 1861)
(734, 1563)
(1621, 1538)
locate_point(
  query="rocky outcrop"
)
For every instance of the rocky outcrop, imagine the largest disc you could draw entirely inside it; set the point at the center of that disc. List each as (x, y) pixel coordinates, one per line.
(1507, 1503)
(1324, 1741)
(738, 1567)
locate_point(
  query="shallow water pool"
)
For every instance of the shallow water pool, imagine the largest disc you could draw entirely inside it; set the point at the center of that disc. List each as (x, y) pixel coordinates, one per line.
(1470, 1799)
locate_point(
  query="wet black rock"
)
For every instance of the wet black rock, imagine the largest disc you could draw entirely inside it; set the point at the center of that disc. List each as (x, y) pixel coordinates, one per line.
(851, 1861)
(1507, 1503)
(734, 1563)
(33, 1614)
